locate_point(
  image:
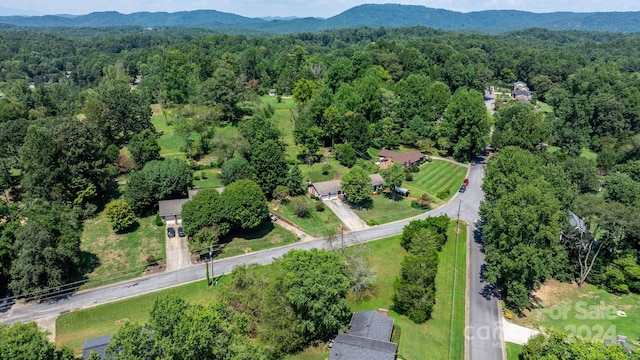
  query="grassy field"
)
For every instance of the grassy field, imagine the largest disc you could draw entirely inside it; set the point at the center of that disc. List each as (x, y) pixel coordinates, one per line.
(282, 120)
(316, 224)
(437, 176)
(588, 311)
(266, 236)
(386, 210)
(513, 351)
(585, 153)
(314, 172)
(72, 329)
(170, 143)
(208, 178)
(120, 256)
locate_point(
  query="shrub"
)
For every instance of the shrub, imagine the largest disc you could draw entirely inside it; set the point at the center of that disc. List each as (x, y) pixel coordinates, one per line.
(414, 169)
(444, 194)
(372, 222)
(508, 314)
(151, 260)
(314, 197)
(319, 206)
(326, 169)
(301, 207)
(408, 176)
(196, 177)
(158, 220)
(120, 215)
(416, 205)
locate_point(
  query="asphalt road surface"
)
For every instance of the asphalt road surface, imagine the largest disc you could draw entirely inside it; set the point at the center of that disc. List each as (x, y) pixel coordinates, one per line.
(484, 334)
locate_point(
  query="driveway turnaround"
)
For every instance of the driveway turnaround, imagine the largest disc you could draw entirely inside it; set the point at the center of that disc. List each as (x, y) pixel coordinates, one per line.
(517, 334)
(346, 215)
(177, 250)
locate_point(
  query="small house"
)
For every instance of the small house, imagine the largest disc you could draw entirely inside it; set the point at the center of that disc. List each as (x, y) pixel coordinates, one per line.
(386, 158)
(170, 211)
(97, 345)
(368, 337)
(332, 189)
(273, 92)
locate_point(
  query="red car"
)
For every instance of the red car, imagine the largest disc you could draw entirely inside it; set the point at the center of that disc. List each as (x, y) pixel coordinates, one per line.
(465, 182)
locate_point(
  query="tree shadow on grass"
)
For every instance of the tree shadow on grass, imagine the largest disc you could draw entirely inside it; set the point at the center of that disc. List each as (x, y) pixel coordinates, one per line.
(259, 232)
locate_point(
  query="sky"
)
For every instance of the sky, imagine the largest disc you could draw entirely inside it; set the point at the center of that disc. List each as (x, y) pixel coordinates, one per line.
(304, 8)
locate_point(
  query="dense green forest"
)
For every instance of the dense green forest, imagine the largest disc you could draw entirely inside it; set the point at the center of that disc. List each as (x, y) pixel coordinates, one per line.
(71, 104)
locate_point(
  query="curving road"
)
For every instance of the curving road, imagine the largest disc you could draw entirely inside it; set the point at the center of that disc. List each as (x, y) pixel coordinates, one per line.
(483, 332)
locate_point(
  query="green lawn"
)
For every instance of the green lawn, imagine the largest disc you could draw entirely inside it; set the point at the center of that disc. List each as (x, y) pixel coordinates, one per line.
(588, 311)
(282, 119)
(314, 172)
(170, 143)
(316, 223)
(266, 236)
(120, 256)
(208, 178)
(437, 176)
(73, 328)
(585, 153)
(513, 351)
(386, 210)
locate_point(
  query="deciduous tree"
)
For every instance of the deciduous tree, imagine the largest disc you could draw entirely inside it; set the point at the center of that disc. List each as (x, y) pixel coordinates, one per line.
(357, 185)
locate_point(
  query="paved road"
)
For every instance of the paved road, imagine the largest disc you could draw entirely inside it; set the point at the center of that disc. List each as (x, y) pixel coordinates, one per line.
(484, 333)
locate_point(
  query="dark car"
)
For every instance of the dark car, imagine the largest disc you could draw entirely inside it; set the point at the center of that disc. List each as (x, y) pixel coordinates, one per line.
(171, 232)
(180, 231)
(463, 188)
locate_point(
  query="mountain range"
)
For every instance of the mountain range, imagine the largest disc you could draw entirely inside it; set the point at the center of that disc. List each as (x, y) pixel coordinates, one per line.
(369, 15)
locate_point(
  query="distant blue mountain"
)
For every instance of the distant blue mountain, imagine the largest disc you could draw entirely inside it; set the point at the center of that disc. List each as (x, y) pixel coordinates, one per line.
(371, 15)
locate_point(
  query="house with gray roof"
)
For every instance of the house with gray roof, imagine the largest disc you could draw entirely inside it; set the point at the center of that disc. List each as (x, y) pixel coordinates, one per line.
(332, 189)
(368, 338)
(97, 345)
(170, 211)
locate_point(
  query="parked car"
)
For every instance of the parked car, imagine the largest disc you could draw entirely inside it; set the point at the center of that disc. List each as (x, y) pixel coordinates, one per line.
(463, 188)
(171, 232)
(273, 217)
(465, 182)
(181, 232)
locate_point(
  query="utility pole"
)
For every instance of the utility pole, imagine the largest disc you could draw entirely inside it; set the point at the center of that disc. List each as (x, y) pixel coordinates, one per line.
(211, 260)
(458, 219)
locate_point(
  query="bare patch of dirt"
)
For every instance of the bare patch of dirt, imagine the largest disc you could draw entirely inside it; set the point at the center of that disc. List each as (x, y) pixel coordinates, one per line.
(158, 267)
(554, 292)
(121, 321)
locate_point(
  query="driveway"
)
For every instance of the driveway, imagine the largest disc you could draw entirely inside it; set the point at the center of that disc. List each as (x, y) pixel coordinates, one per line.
(177, 250)
(346, 215)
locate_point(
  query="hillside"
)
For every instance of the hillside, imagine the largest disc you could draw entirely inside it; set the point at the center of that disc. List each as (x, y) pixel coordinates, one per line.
(370, 15)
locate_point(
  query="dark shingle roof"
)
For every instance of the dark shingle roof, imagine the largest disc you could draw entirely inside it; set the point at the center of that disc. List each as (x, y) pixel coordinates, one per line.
(171, 207)
(367, 338)
(371, 325)
(351, 347)
(99, 345)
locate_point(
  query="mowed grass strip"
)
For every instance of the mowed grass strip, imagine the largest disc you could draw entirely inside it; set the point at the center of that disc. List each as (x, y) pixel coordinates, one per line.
(120, 256)
(437, 176)
(74, 328)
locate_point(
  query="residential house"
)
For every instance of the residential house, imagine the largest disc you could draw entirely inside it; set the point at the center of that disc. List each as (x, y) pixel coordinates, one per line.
(98, 345)
(170, 211)
(386, 158)
(521, 92)
(332, 189)
(368, 337)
